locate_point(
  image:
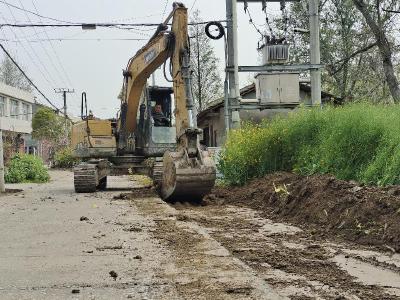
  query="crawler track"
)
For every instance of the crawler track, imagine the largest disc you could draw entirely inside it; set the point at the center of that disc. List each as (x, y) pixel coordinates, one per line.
(85, 178)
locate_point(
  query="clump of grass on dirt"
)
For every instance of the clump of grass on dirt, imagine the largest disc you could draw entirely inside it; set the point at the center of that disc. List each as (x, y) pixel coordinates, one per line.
(64, 158)
(353, 142)
(26, 168)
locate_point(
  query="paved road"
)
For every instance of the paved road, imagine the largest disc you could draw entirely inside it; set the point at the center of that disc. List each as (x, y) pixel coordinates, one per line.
(48, 252)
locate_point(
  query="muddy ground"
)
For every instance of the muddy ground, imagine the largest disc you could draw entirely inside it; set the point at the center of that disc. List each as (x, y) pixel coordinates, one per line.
(307, 237)
(227, 248)
(324, 205)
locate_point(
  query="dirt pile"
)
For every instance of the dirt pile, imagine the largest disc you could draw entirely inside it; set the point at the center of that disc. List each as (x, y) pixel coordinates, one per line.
(323, 204)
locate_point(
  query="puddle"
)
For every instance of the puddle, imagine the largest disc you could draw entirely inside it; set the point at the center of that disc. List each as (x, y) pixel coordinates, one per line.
(383, 258)
(367, 273)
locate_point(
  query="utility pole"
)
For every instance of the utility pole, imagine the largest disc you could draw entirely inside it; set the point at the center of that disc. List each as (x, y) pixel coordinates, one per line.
(64, 91)
(232, 63)
(315, 56)
(2, 186)
(199, 87)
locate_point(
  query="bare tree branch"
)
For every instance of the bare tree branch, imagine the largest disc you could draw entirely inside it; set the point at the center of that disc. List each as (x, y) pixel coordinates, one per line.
(345, 60)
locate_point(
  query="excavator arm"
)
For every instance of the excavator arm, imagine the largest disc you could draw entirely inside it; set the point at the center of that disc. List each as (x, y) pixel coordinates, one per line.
(188, 173)
(163, 45)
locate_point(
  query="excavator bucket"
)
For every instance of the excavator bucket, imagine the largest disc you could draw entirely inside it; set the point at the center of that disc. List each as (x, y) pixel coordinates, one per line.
(187, 179)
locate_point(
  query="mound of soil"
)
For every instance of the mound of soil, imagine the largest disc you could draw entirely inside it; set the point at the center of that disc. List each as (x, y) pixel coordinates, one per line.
(327, 206)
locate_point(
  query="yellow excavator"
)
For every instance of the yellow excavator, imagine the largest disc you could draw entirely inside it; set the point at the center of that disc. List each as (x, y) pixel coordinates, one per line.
(169, 152)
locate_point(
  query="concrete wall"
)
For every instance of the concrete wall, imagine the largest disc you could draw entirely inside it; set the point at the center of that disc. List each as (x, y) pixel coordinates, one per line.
(18, 121)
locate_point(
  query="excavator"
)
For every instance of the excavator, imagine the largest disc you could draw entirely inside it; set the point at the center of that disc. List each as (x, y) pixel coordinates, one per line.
(170, 152)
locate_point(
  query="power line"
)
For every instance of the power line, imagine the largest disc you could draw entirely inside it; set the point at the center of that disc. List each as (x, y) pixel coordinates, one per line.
(68, 39)
(194, 3)
(165, 9)
(31, 12)
(27, 78)
(74, 98)
(94, 25)
(246, 10)
(44, 48)
(29, 55)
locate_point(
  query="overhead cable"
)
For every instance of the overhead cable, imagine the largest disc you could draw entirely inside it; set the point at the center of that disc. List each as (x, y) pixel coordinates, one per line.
(37, 62)
(36, 14)
(94, 25)
(27, 78)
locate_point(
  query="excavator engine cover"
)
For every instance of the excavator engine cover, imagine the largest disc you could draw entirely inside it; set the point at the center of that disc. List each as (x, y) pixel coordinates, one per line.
(187, 178)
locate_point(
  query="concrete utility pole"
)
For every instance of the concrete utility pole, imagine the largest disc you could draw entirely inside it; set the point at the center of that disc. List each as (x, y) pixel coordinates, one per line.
(2, 186)
(232, 63)
(64, 91)
(315, 55)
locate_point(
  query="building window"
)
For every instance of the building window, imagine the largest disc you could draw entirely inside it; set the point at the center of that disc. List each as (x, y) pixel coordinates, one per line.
(14, 111)
(25, 112)
(2, 106)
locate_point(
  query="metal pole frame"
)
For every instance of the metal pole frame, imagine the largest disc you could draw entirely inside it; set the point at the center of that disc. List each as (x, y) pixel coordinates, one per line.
(231, 86)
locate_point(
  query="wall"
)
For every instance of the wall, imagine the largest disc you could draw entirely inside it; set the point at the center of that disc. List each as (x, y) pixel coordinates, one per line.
(18, 122)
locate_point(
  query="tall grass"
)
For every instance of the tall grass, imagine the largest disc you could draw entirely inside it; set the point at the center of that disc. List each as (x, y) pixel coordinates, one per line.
(359, 141)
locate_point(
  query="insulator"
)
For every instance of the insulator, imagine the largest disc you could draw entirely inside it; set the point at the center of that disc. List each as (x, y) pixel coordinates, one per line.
(264, 5)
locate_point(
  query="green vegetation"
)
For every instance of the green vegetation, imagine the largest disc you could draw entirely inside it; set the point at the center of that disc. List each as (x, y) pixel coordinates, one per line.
(354, 142)
(64, 158)
(47, 125)
(26, 168)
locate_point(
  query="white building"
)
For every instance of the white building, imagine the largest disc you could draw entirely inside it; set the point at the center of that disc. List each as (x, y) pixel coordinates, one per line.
(16, 107)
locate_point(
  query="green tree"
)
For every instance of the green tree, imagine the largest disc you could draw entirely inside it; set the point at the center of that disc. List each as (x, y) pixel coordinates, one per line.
(379, 23)
(207, 83)
(10, 75)
(353, 66)
(47, 125)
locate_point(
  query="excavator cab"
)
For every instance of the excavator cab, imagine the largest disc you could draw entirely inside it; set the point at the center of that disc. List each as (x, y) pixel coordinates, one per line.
(156, 132)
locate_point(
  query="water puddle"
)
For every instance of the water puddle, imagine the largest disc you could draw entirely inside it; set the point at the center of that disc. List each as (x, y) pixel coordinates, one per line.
(367, 273)
(380, 257)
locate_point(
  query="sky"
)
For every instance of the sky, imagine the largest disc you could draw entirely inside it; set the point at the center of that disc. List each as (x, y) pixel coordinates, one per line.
(93, 60)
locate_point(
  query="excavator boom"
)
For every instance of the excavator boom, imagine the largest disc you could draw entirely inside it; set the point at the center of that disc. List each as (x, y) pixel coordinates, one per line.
(188, 173)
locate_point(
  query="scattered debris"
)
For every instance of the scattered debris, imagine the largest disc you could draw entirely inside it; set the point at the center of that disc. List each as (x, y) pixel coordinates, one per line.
(113, 274)
(118, 247)
(121, 196)
(239, 290)
(133, 229)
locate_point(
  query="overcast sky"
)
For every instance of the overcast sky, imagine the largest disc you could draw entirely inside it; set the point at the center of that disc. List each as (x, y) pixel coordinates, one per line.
(92, 61)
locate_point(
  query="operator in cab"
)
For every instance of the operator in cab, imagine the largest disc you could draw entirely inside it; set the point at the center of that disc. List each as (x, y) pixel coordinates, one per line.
(158, 116)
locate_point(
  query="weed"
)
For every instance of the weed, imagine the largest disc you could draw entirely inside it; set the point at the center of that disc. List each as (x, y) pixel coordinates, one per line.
(358, 141)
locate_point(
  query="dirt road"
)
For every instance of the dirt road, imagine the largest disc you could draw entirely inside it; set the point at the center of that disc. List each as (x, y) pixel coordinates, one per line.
(59, 245)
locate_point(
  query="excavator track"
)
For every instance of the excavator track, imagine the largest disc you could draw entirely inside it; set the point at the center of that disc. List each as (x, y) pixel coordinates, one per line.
(157, 173)
(92, 175)
(85, 178)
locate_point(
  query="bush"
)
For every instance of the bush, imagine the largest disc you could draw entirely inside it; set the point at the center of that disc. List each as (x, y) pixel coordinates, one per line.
(359, 142)
(26, 168)
(64, 158)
